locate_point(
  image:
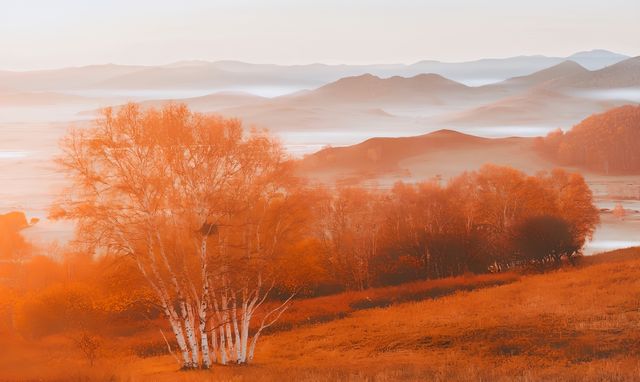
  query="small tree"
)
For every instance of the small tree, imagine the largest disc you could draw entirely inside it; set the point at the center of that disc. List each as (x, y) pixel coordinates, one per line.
(619, 211)
(89, 344)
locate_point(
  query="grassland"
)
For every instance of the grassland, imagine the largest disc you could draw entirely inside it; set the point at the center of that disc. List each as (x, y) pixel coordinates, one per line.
(573, 324)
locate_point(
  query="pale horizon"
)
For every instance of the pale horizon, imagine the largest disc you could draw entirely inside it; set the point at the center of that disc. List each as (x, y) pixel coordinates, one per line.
(36, 35)
(328, 63)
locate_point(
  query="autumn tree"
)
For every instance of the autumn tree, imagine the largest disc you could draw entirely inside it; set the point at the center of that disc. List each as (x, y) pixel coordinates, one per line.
(350, 232)
(619, 211)
(469, 224)
(188, 198)
(13, 246)
(574, 203)
(608, 142)
(420, 220)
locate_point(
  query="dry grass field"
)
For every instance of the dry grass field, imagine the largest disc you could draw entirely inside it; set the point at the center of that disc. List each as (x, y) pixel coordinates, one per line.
(573, 324)
(569, 325)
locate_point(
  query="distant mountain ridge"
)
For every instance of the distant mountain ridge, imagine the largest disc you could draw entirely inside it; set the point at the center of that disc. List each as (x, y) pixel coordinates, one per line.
(367, 87)
(564, 69)
(227, 75)
(623, 74)
(560, 94)
(597, 58)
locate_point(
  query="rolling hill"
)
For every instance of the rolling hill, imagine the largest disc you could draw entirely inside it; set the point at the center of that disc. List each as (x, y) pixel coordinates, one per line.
(561, 95)
(367, 88)
(537, 106)
(620, 75)
(597, 58)
(442, 153)
(574, 324)
(562, 70)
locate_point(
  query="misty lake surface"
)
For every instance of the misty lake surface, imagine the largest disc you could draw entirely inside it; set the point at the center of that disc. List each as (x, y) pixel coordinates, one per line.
(147, 94)
(629, 94)
(615, 232)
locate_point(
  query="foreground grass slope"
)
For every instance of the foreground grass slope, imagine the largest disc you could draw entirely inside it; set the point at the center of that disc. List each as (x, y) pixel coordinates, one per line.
(58, 356)
(573, 324)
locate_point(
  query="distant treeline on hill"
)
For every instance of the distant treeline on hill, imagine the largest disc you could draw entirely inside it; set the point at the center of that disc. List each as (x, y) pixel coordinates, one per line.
(608, 143)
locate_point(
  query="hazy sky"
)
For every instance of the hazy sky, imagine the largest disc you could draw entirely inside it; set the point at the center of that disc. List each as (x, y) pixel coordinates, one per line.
(48, 33)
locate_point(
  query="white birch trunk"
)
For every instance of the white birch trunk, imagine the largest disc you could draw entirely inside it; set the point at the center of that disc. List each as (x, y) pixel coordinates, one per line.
(161, 292)
(185, 308)
(204, 341)
(192, 341)
(214, 342)
(202, 313)
(236, 330)
(244, 335)
(223, 345)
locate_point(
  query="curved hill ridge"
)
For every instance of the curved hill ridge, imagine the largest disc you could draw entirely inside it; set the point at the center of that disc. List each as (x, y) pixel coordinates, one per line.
(562, 70)
(620, 75)
(560, 95)
(368, 87)
(440, 151)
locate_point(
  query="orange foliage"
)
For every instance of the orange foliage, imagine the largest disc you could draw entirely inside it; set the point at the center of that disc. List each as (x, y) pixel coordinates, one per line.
(607, 142)
(12, 244)
(426, 230)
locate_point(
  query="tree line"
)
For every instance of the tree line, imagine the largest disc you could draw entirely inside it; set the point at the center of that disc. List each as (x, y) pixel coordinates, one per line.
(608, 142)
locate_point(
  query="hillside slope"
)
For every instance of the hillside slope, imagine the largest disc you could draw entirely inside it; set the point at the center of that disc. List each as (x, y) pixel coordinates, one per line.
(443, 152)
(537, 106)
(575, 324)
(423, 88)
(620, 75)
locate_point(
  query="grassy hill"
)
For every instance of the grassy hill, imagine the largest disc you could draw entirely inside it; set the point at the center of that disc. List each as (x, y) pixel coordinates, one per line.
(577, 324)
(443, 152)
(574, 324)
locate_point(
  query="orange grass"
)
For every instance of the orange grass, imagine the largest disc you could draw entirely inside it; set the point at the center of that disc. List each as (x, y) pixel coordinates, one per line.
(580, 324)
(328, 308)
(574, 324)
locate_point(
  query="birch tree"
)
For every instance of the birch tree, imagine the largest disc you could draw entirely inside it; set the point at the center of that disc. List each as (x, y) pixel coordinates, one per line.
(172, 189)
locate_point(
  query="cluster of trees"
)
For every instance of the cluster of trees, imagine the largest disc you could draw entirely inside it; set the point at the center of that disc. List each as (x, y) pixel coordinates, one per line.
(491, 219)
(607, 142)
(72, 294)
(201, 208)
(222, 234)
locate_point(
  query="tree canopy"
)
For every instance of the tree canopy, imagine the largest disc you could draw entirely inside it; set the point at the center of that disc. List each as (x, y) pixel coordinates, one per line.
(608, 142)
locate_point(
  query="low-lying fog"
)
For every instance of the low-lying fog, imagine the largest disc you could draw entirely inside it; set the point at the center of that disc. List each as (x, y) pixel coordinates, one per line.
(629, 94)
(29, 136)
(148, 94)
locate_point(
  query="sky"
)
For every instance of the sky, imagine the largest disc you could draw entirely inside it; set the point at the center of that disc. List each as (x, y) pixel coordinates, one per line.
(37, 34)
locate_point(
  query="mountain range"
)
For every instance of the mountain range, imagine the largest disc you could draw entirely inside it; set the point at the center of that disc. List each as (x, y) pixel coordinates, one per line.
(233, 75)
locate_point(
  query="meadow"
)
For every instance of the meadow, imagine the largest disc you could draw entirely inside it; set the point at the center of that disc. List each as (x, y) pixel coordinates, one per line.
(573, 324)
